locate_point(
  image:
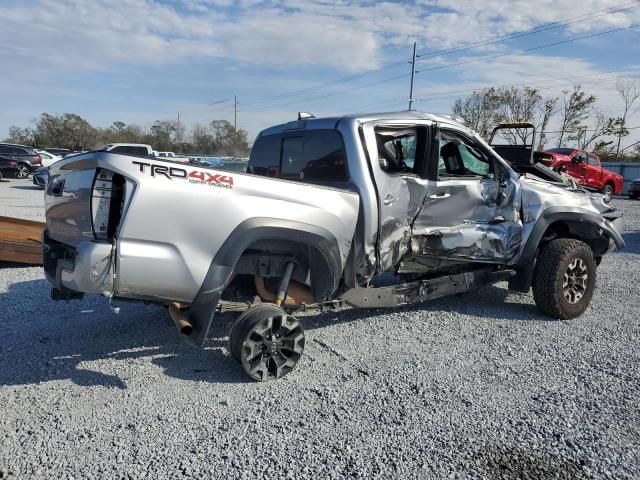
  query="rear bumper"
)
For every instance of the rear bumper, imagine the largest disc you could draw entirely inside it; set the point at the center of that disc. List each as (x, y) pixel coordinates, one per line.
(85, 268)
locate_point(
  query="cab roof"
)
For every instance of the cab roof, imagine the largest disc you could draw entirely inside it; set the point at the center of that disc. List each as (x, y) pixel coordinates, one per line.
(332, 122)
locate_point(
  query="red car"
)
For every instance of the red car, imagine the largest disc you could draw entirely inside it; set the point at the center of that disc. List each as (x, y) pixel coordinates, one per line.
(586, 168)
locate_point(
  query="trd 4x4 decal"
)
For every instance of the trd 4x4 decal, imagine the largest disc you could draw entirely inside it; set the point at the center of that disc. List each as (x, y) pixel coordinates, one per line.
(194, 176)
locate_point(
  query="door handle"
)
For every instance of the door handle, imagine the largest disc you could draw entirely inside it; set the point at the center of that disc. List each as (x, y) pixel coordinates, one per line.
(389, 199)
(440, 195)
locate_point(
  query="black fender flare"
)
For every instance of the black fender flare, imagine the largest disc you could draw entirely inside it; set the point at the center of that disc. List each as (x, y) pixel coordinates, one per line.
(246, 233)
(558, 214)
(526, 263)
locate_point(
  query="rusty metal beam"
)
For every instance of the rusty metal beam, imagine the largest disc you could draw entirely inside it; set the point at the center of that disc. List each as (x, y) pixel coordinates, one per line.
(21, 240)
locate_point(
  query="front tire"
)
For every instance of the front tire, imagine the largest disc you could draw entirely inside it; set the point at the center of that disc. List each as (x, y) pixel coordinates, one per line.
(607, 191)
(266, 341)
(565, 278)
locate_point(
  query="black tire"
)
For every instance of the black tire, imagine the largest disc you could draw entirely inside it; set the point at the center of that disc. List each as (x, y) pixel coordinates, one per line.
(607, 191)
(266, 341)
(633, 197)
(559, 288)
(23, 170)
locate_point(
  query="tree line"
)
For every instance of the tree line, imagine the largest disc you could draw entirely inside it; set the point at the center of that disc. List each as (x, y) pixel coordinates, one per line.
(576, 118)
(572, 119)
(71, 131)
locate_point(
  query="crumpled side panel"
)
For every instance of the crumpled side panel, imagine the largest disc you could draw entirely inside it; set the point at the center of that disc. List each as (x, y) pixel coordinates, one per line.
(465, 219)
(482, 242)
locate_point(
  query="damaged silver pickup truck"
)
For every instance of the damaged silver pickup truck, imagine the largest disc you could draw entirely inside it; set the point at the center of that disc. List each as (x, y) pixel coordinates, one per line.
(326, 207)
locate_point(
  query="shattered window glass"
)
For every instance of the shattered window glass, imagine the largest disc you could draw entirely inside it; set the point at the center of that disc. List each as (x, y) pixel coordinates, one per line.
(397, 150)
(460, 158)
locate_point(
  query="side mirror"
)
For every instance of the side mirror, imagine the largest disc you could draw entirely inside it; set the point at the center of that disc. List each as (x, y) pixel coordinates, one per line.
(576, 160)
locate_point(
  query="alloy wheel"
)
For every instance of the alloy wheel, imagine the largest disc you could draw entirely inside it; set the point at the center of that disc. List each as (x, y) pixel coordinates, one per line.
(574, 284)
(23, 171)
(272, 348)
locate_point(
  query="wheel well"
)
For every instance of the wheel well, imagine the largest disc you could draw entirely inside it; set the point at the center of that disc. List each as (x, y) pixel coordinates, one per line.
(269, 258)
(587, 232)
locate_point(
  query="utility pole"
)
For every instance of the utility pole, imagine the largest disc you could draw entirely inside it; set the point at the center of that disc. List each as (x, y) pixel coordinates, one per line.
(178, 130)
(235, 112)
(413, 74)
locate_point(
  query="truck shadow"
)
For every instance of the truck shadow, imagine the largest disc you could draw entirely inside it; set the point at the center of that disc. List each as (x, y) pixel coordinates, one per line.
(27, 187)
(42, 340)
(489, 302)
(632, 239)
(509, 461)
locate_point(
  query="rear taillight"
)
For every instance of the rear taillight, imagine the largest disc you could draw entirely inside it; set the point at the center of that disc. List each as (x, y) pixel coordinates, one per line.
(39, 159)
(13, 164)
(107, 198)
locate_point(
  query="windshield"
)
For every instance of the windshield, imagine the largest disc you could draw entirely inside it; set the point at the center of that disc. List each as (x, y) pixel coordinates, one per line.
(561, 151)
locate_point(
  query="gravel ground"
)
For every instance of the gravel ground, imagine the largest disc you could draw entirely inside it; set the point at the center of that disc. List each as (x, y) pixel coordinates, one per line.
(21, 198)
(477, 386)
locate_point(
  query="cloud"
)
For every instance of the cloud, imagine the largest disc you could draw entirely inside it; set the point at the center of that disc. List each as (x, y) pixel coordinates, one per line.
(347, 34)
(263, 48)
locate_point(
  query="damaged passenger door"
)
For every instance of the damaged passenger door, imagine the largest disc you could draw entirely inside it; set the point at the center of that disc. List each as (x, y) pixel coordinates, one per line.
(471, 211)
(397, 160)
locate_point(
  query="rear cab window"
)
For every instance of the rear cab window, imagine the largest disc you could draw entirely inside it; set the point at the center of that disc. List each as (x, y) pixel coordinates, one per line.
(131, 150)
(312, 156)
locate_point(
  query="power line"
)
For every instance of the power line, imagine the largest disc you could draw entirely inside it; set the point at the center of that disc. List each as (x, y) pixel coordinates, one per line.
(386, 80)
(530, 49)
(539, 84)
(454, 65)
(493, 40)
(587, 130)
(539, 29)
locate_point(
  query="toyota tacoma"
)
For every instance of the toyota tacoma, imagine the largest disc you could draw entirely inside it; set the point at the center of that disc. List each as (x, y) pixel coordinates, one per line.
(325, 208)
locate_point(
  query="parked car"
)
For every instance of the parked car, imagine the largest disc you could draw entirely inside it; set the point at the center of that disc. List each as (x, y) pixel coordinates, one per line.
(586, 168)
(331, 204)
(234, 165)
(172, 156)
(634, 189)
(40, 177)
(61, 152)
(25, 157)
(136, 149)
(8, 168)
(48, 158)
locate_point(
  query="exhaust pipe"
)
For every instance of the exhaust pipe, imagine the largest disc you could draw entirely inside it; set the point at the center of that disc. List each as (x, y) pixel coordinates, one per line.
(182, 324)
